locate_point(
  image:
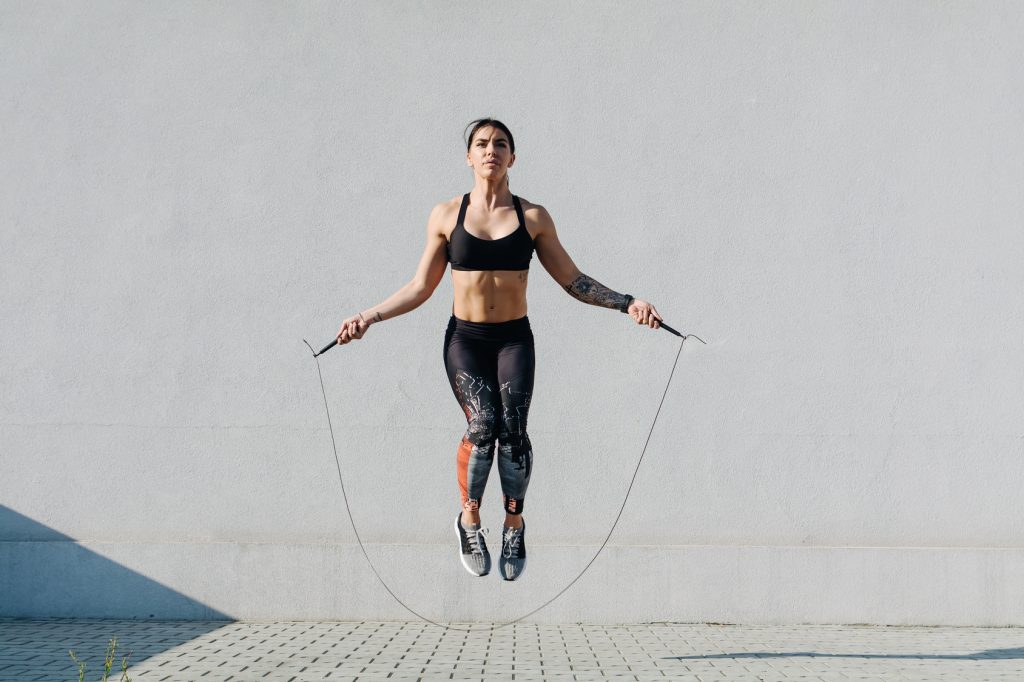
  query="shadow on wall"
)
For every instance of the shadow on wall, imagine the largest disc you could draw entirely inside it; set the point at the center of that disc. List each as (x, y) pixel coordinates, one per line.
(46, 574)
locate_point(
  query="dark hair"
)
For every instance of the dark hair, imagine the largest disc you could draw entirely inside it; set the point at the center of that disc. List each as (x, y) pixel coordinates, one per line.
(491, 122)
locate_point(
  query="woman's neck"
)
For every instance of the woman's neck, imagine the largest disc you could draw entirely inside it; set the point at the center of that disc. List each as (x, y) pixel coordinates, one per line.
(490, 194)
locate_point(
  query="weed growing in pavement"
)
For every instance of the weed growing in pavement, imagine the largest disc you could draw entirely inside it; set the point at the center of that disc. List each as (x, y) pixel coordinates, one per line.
(108, 662)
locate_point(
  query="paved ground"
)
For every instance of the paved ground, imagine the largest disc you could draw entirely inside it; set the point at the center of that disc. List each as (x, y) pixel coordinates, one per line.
(169, 650)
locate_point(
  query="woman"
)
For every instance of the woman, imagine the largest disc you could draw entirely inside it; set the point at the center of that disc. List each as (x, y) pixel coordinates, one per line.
(489, 236)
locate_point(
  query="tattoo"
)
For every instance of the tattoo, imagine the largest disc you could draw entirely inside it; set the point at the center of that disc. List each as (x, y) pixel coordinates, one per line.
(378, 317)
(522, 276)
(589, 290)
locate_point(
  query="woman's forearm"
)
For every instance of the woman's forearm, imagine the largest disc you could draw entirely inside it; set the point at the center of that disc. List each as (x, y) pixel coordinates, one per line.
(589, 290)
(402, 301)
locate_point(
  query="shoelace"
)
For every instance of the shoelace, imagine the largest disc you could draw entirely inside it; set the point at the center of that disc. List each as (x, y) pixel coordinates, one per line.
(510, 543)
(476, 543)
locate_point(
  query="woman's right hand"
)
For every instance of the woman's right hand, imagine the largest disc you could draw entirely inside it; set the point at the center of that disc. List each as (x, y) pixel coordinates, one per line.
(352, 328)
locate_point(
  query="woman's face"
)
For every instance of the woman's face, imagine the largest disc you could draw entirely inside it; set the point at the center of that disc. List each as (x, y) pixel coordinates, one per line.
(489, 153)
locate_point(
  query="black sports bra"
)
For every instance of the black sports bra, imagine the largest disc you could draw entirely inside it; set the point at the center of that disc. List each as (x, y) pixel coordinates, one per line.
(511, 252)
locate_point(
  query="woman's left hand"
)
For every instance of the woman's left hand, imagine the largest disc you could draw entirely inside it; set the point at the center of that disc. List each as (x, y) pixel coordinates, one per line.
(644, 313)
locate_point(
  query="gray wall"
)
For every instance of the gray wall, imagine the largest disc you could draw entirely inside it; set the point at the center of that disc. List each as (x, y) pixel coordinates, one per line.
(828, 193)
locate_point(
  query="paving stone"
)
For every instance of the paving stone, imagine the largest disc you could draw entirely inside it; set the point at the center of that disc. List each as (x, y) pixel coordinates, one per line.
(37, 649)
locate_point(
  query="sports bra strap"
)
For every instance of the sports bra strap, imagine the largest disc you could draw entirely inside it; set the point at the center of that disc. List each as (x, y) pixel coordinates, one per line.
(462, 210)
(519, 210)
(465, 203)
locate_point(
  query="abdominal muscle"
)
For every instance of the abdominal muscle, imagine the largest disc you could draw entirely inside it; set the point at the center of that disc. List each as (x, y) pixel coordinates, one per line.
(489, 295)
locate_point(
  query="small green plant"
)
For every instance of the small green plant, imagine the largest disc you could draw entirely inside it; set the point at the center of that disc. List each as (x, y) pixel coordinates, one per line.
(108, 662)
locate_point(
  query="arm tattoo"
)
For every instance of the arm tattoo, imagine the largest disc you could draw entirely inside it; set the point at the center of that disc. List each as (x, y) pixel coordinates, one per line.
(589, 290)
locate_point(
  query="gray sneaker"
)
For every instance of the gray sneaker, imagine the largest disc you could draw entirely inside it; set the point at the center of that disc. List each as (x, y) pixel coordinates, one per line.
(475, 556)
(513, 552)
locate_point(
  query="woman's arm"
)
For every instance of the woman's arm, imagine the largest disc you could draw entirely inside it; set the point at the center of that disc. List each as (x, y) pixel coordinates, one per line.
(433, 263)
(580, 286)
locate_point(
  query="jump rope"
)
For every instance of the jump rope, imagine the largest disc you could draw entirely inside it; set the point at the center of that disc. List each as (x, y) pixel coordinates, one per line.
(334, 446)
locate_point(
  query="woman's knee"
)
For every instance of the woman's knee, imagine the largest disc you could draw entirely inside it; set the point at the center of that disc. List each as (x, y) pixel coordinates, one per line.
(483, 428)
(515, 440)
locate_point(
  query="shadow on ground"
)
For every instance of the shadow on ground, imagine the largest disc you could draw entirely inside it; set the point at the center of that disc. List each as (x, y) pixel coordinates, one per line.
(47, 579)
(38, 649)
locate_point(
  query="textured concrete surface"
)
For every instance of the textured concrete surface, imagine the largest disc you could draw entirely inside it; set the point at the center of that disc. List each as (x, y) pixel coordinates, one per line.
(286, 651)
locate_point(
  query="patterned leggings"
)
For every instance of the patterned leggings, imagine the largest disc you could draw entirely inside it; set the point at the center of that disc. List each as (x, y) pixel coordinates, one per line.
(490, 367)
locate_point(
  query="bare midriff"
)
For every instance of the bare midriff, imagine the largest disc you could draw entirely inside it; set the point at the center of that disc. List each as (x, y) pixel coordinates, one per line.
(489, 295)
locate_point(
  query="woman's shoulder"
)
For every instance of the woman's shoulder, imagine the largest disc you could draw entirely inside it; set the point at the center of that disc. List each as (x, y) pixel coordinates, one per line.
(444, 216)
(536, 215)
(527, 204)
(446, 211)
(449, 205)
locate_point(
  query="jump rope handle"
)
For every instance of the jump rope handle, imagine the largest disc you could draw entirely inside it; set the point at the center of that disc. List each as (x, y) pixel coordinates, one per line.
(682, 336)
(323, 350)
(329, 346)
(669, 329)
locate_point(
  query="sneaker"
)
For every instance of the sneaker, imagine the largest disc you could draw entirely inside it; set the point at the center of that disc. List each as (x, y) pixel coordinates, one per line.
(475, 556)
(513, 552)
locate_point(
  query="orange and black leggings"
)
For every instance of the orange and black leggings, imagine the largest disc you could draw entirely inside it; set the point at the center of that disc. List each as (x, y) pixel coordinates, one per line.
(490, 367)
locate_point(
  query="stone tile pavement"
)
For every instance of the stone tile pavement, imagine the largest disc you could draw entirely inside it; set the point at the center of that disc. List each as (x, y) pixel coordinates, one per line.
(190, 650)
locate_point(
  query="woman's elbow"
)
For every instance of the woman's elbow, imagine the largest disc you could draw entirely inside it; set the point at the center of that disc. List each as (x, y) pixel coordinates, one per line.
(568, 277)
(419, 292)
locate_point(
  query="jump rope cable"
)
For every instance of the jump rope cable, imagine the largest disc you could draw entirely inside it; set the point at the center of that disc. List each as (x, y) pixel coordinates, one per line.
(564, 589)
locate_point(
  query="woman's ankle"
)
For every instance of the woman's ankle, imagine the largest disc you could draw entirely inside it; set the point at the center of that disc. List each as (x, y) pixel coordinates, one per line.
(513, 520)
(471, 513)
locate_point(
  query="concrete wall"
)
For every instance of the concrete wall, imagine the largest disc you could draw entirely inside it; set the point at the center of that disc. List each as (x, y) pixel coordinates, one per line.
(828, 193)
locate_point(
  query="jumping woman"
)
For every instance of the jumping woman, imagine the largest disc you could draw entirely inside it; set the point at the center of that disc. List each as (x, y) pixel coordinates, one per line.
(489, 236)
